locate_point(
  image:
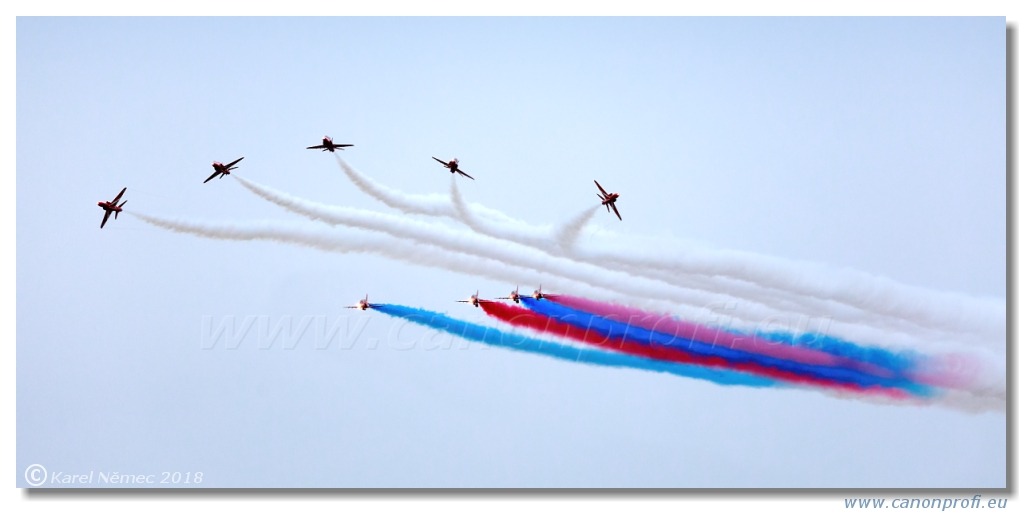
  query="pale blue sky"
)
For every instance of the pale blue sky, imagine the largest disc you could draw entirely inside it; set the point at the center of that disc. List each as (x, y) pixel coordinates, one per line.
(874, 144)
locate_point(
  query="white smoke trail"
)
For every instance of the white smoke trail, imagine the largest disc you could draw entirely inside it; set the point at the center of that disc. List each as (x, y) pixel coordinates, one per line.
(462, 213)
(569, 233)
(565, 241)
(865, 292)
(902, 314)
(468, 243)
(848, 295)
(434, 205)
(742, 313)
(537, 237)
(371, 243)
(562, 244)
(442, 206)
(471, 243)
(986, 395)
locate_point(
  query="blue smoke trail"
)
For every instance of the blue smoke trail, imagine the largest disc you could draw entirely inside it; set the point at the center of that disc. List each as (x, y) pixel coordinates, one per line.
(496, 337)
(615, 330)
(900, 362)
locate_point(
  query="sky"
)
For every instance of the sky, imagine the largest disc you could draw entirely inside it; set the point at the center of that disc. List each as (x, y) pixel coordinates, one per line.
(868, 144)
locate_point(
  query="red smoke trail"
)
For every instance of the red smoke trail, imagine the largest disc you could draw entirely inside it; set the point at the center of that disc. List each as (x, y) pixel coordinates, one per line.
(749, 343)
(529, 319)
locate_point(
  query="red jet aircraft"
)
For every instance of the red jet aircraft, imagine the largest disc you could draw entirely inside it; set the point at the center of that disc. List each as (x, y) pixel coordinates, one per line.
(608, 200)
(363, 304)
(453, 166)
(472, 300)
(223, 169)
(328, 145)
(112, 206)
(537, 294)
(514, 295)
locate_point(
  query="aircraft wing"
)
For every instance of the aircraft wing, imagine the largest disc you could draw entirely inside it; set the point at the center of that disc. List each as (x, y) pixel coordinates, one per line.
(459, 171)
(317, 147)
(343, 145)
(106, 215)
(239, 159)
(616, 209)
(601, 188)
(214, 175)
(119, 195)
(443, 163)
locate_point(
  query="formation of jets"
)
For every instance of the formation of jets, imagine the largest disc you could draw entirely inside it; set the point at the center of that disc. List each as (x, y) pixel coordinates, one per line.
(514, 295)
(328, 144)
(474, 299)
